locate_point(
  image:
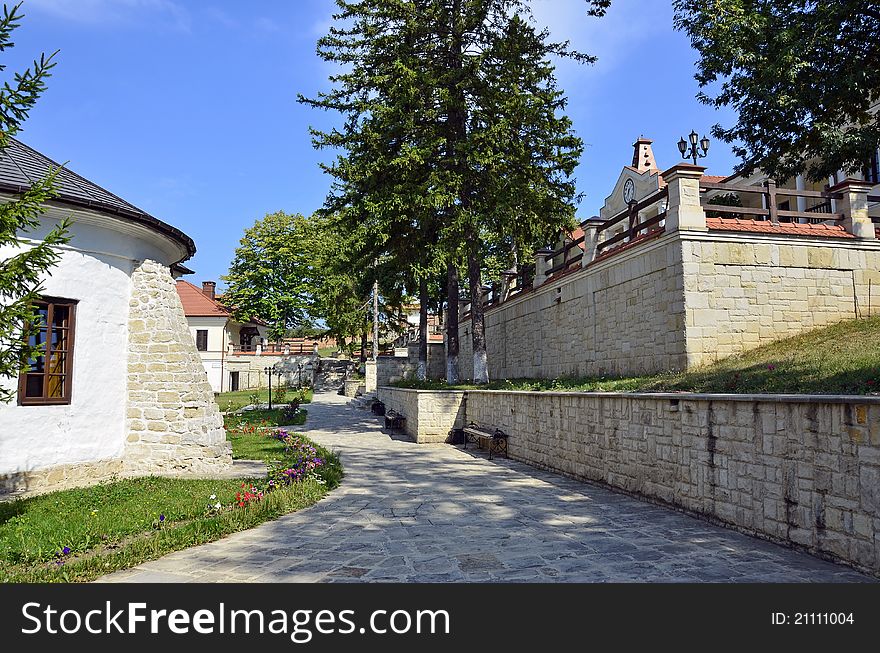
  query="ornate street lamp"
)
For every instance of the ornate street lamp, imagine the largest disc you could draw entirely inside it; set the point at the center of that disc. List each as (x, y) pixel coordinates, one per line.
(694, 151)
(270, 371)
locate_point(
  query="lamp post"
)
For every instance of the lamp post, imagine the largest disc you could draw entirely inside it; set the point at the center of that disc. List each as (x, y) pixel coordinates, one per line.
(693, 152)
(270, 371)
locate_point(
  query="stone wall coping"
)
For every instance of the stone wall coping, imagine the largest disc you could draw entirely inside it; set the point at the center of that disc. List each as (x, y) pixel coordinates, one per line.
(681, 396)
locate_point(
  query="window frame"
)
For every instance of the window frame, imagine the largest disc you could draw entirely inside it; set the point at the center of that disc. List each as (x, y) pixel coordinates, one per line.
(67, 396)
(871, 173)
(198, 332)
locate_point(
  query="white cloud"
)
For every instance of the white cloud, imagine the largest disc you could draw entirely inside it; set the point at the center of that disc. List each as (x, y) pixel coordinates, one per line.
(266, 25)
(114, 12)
(626, 29)
(219, 16)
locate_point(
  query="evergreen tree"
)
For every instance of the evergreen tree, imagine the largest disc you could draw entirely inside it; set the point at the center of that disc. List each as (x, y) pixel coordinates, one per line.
(448, 106)
(25, 261)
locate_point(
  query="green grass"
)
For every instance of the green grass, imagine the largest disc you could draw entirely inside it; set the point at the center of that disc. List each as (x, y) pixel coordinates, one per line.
(265, 417)
(117, 525)
(841, 359)
(231, 401)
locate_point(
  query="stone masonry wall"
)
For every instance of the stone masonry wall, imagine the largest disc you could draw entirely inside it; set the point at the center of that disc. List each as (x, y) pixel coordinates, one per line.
(800, 469)
(624, 315)
(59, 477)
(678, 302)
(746, 291)
(174, 424)
(429, 414)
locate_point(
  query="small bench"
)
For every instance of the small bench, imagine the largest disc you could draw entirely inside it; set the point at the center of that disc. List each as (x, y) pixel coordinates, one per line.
(497, 441)
(394, 420)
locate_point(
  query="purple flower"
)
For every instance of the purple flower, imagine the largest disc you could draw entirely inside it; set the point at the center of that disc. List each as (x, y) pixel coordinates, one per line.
(161, 518)
(771, 367)
(65, 550)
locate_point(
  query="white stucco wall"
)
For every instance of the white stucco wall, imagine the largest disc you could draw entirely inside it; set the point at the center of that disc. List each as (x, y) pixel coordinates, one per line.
(95, 269)
(92, 426)
(213, 357)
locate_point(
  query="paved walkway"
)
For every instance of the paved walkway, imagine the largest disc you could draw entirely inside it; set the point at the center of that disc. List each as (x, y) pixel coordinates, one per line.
(429, 513)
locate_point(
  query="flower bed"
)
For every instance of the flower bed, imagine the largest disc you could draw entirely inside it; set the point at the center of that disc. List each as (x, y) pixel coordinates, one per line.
(78, 535)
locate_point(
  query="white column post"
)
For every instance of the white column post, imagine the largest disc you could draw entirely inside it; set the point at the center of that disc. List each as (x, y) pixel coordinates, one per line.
(591, 240)
(800, 184)
(541, 266)
(684, 212)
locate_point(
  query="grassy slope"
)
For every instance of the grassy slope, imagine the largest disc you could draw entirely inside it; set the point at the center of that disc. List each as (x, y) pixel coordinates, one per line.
(840, 359)
(116, 525)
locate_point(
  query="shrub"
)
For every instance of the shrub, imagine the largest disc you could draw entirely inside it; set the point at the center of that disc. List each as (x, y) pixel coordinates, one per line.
(290, 411)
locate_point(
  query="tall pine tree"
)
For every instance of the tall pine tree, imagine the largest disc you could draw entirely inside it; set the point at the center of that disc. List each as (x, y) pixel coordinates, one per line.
(451, 139)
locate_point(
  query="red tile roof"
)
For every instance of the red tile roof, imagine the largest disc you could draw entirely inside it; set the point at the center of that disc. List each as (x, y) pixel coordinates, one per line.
(713, 179)
(783, 228)
(198, 304)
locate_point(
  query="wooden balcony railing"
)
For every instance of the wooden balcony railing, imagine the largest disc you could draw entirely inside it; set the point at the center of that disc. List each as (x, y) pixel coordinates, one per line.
(770, 210)
(274, 349)
(634, 227)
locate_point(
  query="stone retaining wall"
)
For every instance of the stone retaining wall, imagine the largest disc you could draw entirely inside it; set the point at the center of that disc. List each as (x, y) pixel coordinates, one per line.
(743, 292)
(799, 469)
(678, 301)
(429, 414)
(59, 477)
(624, 315)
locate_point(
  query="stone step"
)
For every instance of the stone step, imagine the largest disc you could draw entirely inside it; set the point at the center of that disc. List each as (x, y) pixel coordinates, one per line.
(363, 401)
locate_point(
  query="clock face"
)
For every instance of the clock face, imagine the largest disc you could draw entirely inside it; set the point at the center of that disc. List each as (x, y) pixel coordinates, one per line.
(629, 191)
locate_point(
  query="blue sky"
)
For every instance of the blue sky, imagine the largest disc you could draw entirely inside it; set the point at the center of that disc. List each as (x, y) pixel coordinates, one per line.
(187, 108)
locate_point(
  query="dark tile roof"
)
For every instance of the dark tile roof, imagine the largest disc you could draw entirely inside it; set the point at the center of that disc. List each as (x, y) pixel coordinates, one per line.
(21, 166)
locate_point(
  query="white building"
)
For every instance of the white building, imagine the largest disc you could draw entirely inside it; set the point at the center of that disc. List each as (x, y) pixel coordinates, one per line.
(119, 388)
(229, 349)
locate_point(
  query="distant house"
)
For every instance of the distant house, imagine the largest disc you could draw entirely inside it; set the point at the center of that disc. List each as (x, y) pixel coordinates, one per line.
(227, 347)
(118, 387)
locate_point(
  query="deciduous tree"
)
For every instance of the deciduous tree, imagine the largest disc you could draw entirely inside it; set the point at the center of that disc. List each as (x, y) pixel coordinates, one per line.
(802, 77)
(271, 276)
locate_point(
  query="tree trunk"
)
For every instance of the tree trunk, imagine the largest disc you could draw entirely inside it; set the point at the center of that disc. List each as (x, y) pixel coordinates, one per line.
(478, 327)
(452, 324)
(364, 347)
(422, 369)
(375, 319)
